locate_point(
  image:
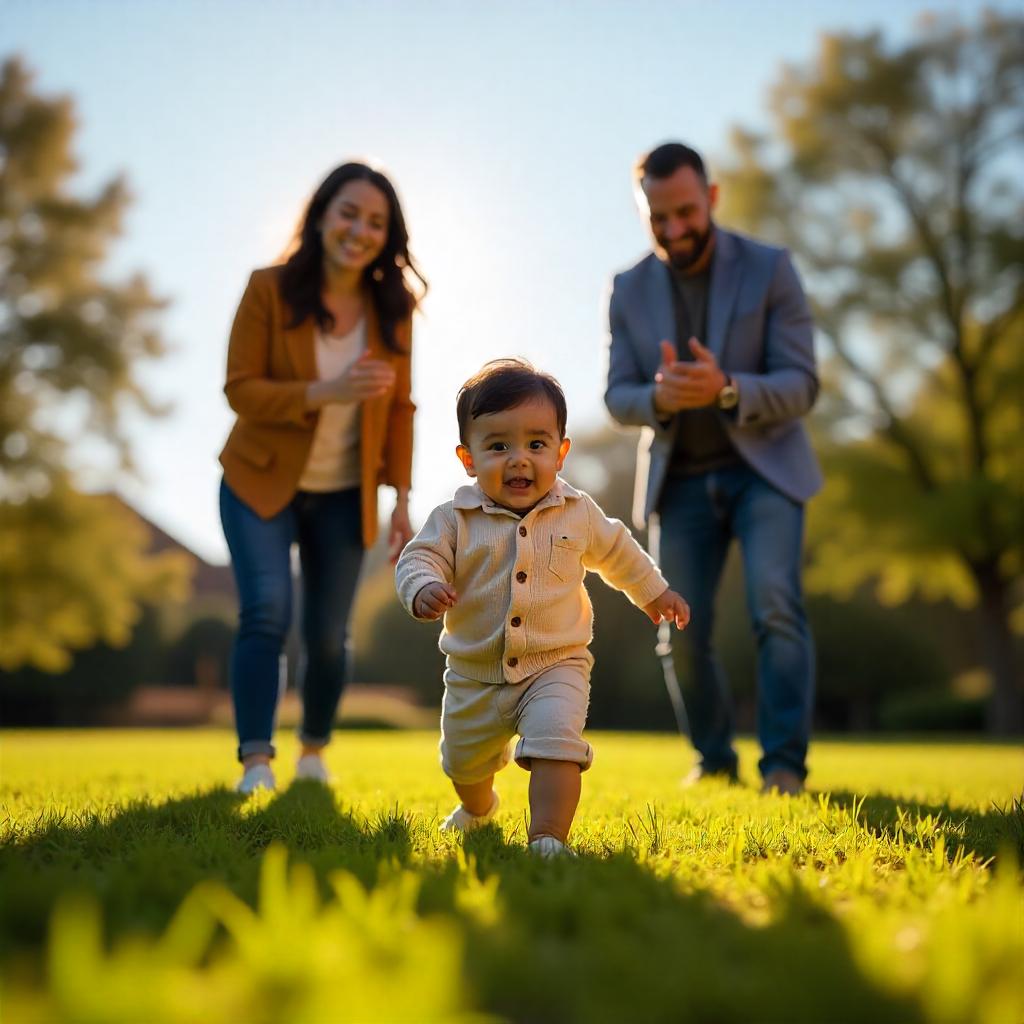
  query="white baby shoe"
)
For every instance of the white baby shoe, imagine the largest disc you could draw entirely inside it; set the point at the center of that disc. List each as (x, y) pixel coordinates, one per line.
(257, 776)
(460, 820)
(549, 846)
(312, 767)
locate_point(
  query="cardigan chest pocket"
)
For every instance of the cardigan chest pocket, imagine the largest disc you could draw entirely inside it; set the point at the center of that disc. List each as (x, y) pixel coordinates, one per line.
(566, 560)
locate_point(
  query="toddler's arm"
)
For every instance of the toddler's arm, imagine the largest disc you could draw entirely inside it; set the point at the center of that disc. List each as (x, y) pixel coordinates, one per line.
(618, 559)
(425, 571)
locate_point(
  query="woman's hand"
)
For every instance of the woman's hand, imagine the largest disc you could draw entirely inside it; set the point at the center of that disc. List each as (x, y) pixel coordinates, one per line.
(401, 529)
(366, 378)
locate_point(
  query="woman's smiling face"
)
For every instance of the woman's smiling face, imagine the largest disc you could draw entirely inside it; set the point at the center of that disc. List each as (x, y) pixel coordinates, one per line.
(515, 454)
(354, 227)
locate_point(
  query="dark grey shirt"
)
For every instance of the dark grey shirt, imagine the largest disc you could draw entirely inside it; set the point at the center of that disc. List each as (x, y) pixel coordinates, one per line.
(702, 443)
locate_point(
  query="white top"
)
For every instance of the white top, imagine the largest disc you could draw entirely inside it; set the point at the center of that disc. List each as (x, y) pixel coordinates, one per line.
(522, 605)
(333, 462)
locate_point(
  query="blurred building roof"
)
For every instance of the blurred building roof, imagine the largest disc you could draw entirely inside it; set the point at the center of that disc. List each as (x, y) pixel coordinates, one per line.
(209, 580)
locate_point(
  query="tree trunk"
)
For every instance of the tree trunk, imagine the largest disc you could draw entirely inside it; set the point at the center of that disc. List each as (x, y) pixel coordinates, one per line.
(1005, 715)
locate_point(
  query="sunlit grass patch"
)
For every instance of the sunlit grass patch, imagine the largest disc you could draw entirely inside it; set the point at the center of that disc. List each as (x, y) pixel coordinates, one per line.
(136, 886)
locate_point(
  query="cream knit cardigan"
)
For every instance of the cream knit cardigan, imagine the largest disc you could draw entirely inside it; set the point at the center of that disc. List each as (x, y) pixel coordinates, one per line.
(522, 605)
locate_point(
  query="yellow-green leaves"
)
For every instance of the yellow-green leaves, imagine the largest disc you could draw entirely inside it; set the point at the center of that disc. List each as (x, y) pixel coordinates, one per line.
(358, 955)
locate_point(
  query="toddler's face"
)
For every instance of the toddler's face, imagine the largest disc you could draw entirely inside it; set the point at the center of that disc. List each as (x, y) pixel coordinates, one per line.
(515, 454)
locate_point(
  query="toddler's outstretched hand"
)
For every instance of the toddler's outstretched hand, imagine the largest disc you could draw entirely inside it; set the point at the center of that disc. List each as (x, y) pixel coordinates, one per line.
(669, 607)
(433, 600)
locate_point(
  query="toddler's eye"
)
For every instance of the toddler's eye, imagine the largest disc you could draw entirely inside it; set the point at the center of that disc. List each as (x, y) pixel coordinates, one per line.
(498, 446)
(537, 445)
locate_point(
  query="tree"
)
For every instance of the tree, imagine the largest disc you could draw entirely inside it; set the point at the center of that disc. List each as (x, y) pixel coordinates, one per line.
(75, 571)
(73, 568)
(894, 175)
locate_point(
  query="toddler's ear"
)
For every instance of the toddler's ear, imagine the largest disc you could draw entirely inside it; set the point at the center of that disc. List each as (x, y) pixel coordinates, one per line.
(563, 450)
(466, 458)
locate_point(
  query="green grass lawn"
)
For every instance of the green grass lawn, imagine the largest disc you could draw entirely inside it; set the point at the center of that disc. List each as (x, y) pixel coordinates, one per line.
(135, 886)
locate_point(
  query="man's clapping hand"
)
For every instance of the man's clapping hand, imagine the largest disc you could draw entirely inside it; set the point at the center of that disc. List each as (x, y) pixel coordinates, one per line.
(687, 385)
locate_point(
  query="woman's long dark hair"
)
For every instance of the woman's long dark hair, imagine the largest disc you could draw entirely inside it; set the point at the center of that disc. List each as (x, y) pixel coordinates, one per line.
(302, 277)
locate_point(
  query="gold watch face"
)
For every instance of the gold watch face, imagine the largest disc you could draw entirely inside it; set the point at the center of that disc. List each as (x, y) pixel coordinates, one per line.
(728, 397)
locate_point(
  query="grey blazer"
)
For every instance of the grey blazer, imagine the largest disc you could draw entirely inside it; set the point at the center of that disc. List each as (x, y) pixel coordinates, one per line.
(759, 328)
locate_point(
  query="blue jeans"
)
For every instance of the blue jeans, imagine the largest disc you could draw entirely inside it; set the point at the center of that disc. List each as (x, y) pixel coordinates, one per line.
(327, 529)
(698, 517)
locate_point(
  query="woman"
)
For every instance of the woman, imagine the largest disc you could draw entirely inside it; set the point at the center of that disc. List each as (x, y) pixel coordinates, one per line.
(318, 373)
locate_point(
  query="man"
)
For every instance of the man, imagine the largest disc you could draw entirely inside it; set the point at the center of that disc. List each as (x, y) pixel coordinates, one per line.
(711, 353)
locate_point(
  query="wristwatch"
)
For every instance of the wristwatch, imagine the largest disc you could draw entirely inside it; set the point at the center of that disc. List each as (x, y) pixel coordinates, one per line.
(729, 396)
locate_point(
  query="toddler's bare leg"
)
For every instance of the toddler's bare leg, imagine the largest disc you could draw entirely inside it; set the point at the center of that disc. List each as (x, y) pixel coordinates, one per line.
(476, 797)
(554, 794)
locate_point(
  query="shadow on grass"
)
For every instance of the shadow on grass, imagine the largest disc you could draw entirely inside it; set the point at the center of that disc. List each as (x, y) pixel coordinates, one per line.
(602, 938)
(983, 833)
(142, 860)
(591, 939)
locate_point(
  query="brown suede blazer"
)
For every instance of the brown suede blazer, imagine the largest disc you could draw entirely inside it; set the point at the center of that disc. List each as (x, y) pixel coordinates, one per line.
(269, 367)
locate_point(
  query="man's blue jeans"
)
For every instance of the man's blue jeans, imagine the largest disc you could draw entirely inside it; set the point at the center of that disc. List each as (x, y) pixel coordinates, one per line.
(328, 531)
(698, 517)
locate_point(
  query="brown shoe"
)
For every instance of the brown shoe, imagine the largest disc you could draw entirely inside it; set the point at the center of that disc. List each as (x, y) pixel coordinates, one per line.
(784, 782)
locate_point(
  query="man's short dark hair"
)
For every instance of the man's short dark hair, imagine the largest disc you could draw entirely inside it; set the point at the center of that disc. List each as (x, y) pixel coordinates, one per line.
(504, 384)
(663, 161)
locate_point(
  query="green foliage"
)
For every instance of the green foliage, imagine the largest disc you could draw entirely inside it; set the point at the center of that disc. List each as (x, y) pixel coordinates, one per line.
(865, 657)
(931, 710)
(65, 332)
(894, 177)
(146, 891)
(99, 678)
(872, 522)
(370, 949)
(73, 569)
(204, 647)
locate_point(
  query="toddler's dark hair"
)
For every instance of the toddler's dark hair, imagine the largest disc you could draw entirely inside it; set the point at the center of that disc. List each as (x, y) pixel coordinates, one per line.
(504, 384)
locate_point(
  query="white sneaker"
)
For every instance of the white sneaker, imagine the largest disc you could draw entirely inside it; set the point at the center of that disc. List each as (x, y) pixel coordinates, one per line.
(460, 820)
(312, 767)
(257, 776)
(548, 847)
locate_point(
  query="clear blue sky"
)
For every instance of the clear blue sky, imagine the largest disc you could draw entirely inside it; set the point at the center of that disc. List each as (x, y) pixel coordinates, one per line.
(509, 129)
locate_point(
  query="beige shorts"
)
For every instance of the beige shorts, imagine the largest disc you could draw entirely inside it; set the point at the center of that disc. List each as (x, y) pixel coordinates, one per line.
(548, 710)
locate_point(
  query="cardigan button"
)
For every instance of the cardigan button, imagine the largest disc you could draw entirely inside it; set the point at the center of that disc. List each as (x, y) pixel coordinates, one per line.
(516, 621)
(522, 531)
(521, 576)
(512, 662)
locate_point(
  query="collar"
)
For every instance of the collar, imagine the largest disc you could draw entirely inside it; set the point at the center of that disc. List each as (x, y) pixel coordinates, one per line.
(471, 496)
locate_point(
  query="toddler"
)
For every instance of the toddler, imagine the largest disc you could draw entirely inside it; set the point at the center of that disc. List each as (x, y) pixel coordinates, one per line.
(504, 563)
